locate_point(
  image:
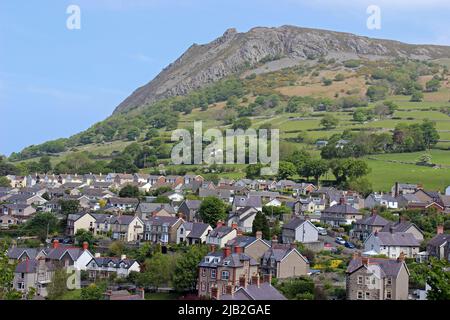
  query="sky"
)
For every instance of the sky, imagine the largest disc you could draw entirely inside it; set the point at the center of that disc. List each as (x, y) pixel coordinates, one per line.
(56, 81)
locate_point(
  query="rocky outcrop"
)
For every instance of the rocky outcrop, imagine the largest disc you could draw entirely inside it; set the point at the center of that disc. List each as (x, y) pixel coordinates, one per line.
(234, 52)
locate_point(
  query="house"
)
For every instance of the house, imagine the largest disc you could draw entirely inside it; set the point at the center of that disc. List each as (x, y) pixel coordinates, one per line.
(221, 234)
(78, 221)
(26, 199)
(193, 232)
(189, 210)
(379, 199)
(392, 244)
(37, 274)
(123, 178)
(240, 202)
(162, 229)
(439, 245)
(243, 217)
(340, 214)
(126, 228)
(104, 267)
(21, 211)
(146, 210)
(19, 254)
(377, 279)
(404, 188)
(255, 290)
(254, 247)
(63, 256)
(218, 269)
(125, 204)
(404, 226)
(174, 196)
(7, 221)
(299, 230)
(284, 261)
(367, 225)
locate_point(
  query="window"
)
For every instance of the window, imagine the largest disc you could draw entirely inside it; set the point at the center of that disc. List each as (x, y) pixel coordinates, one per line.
(389, 281)
(181, 231)
(388, 295)
(360, 279)
(367, 295)
(203, 272)
(20, 285)
(203, 286)
(213, 273)
(225, 275)
(359, 295)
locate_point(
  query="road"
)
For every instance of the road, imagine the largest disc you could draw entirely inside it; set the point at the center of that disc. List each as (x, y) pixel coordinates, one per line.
(328, 239)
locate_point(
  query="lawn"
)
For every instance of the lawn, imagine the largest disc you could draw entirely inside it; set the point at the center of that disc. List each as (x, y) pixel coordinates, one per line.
(437, 157)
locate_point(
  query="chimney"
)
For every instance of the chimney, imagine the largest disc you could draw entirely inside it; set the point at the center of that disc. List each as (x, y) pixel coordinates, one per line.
(226, 252)
(274, 240)
(255, 280)
(212, 248)
(55, 243)
(401, 257)
(307, 218)
(243, 281)
(402, 218)
(85, 245)
(239, 232)
(374, 212)
(234, 225)
(97, 255)
(440, 229)
(365, 261)
(375, 233)
(267, 278)
(123, 257)
(391, 228)
(342, 200)
(237, 249)
(396, 190)
(258, 234)
(219, 224)
(215, 292)
(230, 289)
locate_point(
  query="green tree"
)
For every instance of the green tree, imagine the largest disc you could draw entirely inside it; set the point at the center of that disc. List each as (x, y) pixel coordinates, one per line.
(348, 168)
(6, 274)
(242, 123)
(429, 133)
(286, 170)
(329, 122)
(93, 292)
(212, 210)
(158, 271)
(253, 171)
(376, 92)
(58, 286)
(260, 223)
(45, 164)
(129, 191)
(4, 182)
(433, 85)
(69, 206)
(416, 96)
(315, 168)
(185, 275)
(83, 235)
(41, 224)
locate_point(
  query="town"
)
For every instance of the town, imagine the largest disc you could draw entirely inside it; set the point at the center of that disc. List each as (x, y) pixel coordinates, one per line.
(142, 236)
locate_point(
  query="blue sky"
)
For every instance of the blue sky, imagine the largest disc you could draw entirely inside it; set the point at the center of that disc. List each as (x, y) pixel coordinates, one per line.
(55, 82)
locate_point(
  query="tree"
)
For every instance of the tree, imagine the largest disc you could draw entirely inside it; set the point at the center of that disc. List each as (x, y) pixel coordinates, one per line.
(158, 270)
(6, 274)
(433, 85)
(434, 274)
(286, 169)
(45, 164)
(116, 248)
(41, 224)
(123, 163)
(4, 182)
(129, 191)
(83, 235)
(162, 199)
(69, 206)
(376, 92)
(416, 96)
(260, 223)
(253, 171)
(361, 185)
(429, 133)
(329, 122)
(348, 168)
(212, 210)
(315, 168)
(185, 275)
(58, 286)
(242, 123)
(93, 292)
(301, 288)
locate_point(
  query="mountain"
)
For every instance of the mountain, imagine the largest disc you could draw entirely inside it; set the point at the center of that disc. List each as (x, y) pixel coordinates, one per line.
(266, 49)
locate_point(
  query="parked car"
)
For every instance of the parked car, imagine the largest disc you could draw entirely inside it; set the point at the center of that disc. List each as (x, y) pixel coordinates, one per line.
(322, 231)
(349, 245)
(341, 241)
(329, 247)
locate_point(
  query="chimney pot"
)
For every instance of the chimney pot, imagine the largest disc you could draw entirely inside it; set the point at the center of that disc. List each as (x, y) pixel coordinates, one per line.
(243, 281)
(258, 234)
(226, 252)
(255, 280)
(234, 225)
(97, 255)
(237, 249)
(85, 245)
(401, 257)
(440, 229)
(219, 224)
(230, 289)
(55, 243)
(365, 260)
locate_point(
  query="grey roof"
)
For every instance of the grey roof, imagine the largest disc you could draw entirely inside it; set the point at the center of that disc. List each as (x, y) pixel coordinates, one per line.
(265, 291)
(234, 260)
(373, 220)
(341, 208)
(104, 262)
(294, 223)
(220, 231)
(198, 229)
(402, 226)
(163, 220)
(17, 253)
(30, 266)
(397, 239)
(250, 201)
(193, 204)
(123, 200)
(243, 241)
(61, 250)
(279, 252)
(123, 219)
(149, 207)
(389, 267)
(439, 240)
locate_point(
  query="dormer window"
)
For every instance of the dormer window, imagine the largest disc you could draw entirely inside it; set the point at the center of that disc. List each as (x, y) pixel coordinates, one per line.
(226, 263)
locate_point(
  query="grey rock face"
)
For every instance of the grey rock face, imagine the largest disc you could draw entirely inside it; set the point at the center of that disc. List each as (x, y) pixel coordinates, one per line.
(234, 52)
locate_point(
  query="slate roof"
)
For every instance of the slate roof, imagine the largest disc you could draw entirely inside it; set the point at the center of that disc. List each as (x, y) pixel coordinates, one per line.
(250, 201)
(439, 240)
(149, 207)
(389, 267)
(402, 226)
(197, 230)
(341, 209)
(16, 252)
(243, 241)
(373, 220)
(163, 220)
(294, 223)
(123, 219)
(278, 253)
(265, 291)
(30, 266)
(402, 239)
(193, 204)
(220, 231)
(234, 260)
(61, 250)
(104, 262)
